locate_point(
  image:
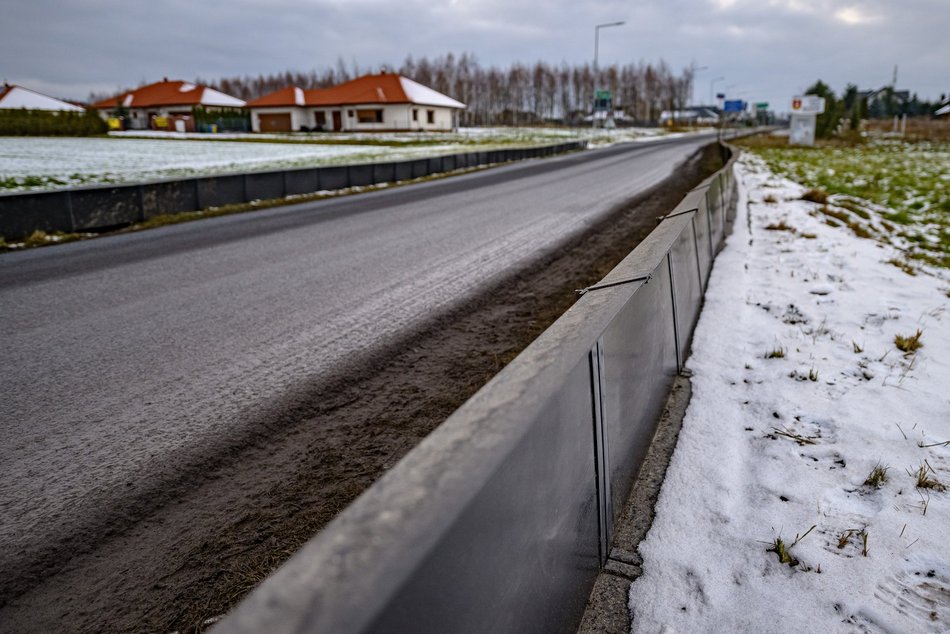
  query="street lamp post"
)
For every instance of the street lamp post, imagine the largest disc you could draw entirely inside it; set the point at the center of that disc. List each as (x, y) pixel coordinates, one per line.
(693, 69)
(593, 113)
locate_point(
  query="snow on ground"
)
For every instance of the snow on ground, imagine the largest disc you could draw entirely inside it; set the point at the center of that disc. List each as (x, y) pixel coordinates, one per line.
(44, 162)
(772, 447)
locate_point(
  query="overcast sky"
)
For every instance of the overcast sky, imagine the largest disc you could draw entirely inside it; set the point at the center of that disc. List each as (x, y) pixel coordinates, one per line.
(765, 50)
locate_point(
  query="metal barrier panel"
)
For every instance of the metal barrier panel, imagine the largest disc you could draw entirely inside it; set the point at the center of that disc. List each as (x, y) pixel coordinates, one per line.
(687, 285)
(420, 168)
(704, 247)
(448, 162)
(333, 178)
(100, 207)
(214, 191)
(22, 214)
(169, 197)
(402, 171)
(435, 165)
(513, 559)
(360, 175)
(639, 367)
(384, 173)
(264, 185)
(304, 181)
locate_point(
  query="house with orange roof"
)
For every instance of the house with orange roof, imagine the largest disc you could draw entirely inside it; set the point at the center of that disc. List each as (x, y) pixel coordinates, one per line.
(385, 102)
(165, 105)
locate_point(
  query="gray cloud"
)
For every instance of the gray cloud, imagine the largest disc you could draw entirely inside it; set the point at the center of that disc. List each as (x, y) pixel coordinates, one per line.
(765, 49)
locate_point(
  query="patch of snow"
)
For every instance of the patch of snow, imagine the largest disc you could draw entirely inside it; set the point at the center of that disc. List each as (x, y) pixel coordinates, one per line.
(771, 447)
(186, 87)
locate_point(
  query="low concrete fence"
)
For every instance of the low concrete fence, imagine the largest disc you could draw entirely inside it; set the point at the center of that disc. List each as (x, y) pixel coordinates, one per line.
(500, 520)
(99, 208)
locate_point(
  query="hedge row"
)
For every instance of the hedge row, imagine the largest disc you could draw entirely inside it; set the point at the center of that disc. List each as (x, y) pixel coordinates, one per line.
(23, 122)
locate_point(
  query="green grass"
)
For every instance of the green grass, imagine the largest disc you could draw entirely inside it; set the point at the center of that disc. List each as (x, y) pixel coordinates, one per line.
(910, 180)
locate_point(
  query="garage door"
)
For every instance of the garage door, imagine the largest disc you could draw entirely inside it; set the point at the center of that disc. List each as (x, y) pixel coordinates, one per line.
(275, 122)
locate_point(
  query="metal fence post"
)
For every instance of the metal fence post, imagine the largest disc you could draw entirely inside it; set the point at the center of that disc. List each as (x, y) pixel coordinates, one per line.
(601, 455)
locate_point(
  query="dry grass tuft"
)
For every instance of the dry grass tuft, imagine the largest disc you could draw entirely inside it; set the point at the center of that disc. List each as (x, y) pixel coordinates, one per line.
(910, 343)
(816, 195)
(780, 226)
(784, 552)
(924, 480)
(877, 477)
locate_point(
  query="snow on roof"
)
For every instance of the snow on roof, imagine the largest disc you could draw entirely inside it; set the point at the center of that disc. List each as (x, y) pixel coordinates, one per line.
(186, 87)
(212, 97)
(14, 97)
(943, 111)
(417, 93)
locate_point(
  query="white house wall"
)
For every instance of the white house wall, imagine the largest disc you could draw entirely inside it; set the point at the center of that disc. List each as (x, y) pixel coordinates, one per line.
(395, 117)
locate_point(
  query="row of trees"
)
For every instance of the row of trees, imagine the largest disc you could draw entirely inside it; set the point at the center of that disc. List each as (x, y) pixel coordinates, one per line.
(847, 111)
(515, 94)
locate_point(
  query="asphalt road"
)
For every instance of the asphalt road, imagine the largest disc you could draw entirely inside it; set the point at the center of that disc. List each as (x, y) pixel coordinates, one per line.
(127, 356)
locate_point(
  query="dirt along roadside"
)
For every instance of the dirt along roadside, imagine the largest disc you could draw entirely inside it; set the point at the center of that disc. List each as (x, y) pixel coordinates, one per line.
(188, 561)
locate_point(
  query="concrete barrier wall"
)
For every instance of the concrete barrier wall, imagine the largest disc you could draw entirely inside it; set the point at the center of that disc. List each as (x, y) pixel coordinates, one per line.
(500, 519)
(99, 208)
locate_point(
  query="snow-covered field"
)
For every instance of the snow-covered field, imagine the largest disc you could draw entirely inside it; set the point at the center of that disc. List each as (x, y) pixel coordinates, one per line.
(37, 163)
(43, 163)
(799, 393)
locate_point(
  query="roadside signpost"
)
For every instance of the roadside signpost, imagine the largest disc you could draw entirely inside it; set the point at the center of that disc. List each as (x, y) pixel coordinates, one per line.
(734, 105)
(805, 111)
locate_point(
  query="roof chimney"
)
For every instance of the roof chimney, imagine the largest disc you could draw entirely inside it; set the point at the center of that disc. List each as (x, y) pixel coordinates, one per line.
(165, 79)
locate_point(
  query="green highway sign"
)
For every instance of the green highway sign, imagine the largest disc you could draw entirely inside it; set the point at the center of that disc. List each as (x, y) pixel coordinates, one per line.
(602, 95)
(762, 105)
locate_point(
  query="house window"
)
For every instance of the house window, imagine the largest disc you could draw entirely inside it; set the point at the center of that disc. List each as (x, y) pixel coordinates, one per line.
(369, 116)
(349, 113)
(430, 116)
(415, 114)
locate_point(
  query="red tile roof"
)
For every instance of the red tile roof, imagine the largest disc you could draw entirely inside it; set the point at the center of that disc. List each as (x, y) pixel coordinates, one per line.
(162, 93)
(369, 89)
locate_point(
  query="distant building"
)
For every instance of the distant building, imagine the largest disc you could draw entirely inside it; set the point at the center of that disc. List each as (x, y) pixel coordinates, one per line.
(943, 110)
(695, 115)
(165, 105)
(16, 97)
(384, 102)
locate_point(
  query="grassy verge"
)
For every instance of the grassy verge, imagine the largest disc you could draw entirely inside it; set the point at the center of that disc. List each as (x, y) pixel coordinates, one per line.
(894, 190)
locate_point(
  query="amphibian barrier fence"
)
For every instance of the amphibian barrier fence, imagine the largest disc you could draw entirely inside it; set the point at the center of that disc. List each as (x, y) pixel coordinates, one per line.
(500, 519)
(99, 208)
